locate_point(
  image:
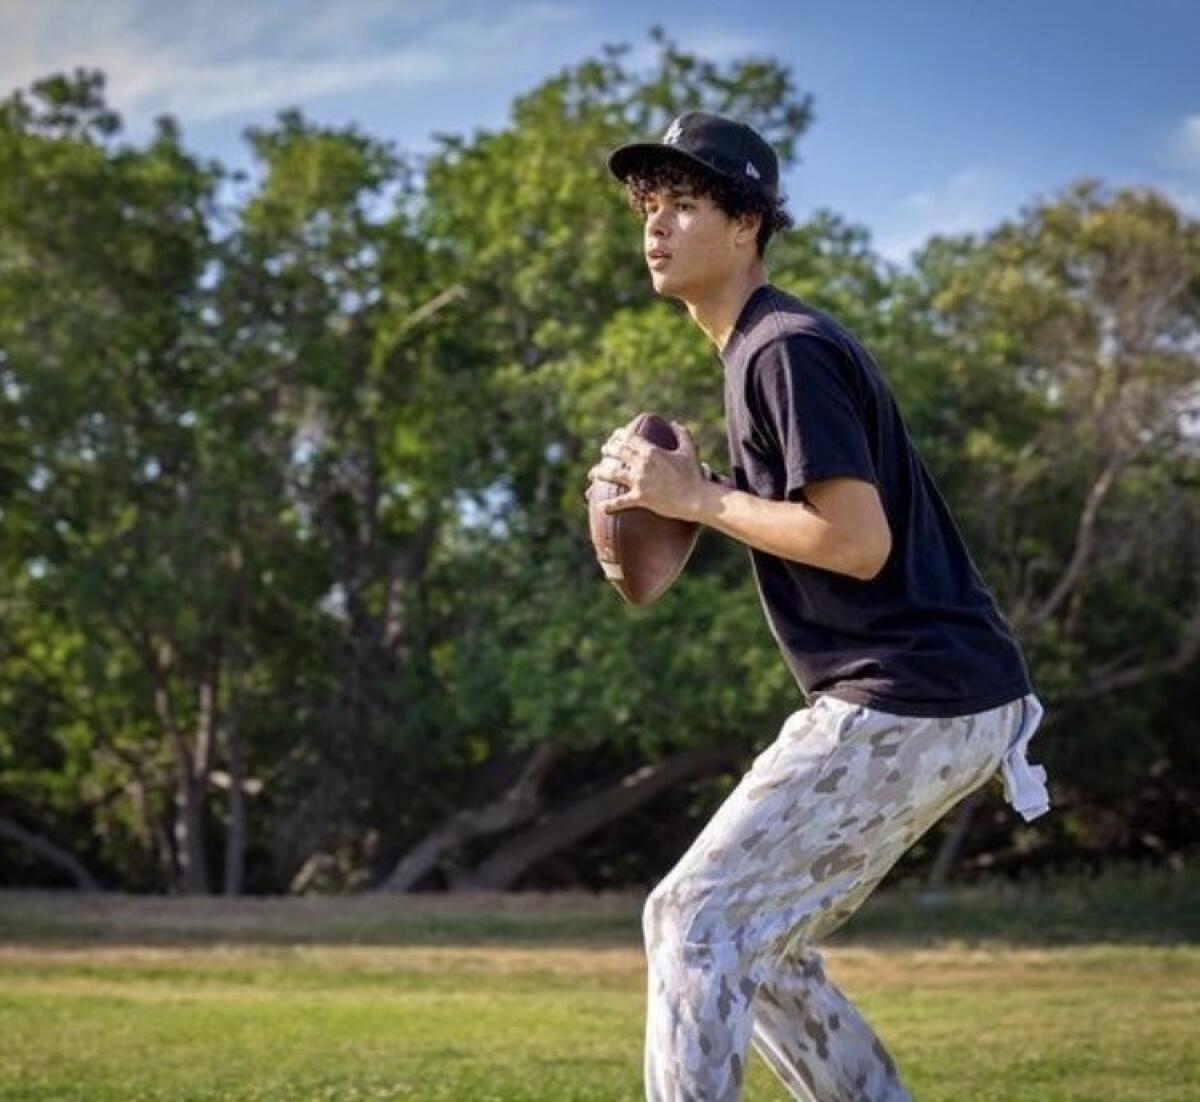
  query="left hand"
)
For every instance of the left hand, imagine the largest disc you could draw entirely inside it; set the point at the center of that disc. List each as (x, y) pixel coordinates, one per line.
(669, 483)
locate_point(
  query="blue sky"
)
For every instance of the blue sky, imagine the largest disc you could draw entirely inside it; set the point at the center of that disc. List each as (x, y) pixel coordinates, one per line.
(930, 115)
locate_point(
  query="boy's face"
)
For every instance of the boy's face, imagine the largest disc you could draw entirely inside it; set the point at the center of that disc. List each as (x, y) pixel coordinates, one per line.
(691, 245)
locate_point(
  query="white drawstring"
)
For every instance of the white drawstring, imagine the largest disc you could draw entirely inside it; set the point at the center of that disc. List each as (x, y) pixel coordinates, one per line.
(1025, 784)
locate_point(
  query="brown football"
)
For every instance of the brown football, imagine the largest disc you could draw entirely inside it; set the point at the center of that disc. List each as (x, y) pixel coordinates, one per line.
(640, 552)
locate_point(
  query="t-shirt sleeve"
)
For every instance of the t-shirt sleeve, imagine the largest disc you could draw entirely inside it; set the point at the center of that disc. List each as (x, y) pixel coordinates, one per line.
(808, 412)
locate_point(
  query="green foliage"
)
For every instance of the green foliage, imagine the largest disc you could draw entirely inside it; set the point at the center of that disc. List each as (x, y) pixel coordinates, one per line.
(291, 478)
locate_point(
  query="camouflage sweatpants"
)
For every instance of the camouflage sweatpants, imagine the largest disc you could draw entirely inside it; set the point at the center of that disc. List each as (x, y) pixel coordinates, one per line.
(822, 814)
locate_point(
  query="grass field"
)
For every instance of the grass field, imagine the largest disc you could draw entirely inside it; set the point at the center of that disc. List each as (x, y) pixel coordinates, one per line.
(532, 999)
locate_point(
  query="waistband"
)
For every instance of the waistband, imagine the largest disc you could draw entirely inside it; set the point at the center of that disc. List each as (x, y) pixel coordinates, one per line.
(1025, 784)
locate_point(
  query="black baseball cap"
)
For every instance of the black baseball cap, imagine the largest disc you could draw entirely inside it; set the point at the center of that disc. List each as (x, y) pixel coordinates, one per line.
(724, 146)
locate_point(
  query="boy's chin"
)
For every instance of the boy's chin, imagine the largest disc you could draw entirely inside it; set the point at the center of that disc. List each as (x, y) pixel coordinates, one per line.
(665, 286)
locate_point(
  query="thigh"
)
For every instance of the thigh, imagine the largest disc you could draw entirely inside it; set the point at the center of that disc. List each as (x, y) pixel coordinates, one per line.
(943, 761)
(730, 848)
(840, 794)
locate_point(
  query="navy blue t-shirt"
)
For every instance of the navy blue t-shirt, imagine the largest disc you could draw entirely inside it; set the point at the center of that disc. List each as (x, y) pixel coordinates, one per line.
(804, 400)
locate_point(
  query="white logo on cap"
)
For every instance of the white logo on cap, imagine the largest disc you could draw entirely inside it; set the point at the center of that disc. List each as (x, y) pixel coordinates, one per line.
(674, 133)
(752, 171)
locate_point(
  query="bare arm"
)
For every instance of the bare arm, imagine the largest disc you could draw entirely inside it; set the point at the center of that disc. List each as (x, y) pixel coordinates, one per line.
(841, 527)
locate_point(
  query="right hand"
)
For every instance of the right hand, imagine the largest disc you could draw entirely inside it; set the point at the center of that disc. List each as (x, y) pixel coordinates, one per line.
(610, 468)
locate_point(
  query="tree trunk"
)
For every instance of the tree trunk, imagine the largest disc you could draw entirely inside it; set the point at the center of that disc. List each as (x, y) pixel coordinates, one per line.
(952, 843)
(51, 852)
(191, 791)
(191, 767)
(189, 834)
(516, 806)
(235, 837)
(566, 825)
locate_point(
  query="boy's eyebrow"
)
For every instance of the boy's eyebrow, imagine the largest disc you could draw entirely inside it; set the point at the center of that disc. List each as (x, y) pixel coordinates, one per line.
(675, 191)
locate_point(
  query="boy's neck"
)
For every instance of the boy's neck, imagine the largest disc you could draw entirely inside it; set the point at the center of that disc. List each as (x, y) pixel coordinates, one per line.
(718, 312)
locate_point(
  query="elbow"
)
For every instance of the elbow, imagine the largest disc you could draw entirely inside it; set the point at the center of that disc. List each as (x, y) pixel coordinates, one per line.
(873, 558)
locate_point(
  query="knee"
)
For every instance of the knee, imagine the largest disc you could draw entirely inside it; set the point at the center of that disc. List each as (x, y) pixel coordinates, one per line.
(667, 917)
(657, 914)
(679, 916)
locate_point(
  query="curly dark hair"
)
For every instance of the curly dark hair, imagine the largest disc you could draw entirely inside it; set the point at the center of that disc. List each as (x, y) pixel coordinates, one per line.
(678, 174)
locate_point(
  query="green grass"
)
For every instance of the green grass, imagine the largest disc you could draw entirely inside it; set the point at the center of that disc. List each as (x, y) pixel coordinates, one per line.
(494, 1024)
(541, 999)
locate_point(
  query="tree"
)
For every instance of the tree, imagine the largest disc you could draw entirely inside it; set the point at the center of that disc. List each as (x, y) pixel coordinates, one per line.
(103, 397)
(555, 671)
(1068, 347)
(297, 589)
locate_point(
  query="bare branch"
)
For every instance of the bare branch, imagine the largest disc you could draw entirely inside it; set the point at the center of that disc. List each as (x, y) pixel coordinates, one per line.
(1084, 539)
(49, 851)
(520, 803)
(428, 309)
(566, 825)
(1104, 682)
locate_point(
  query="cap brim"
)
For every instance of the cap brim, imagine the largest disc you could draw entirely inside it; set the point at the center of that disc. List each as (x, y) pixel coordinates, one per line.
(623, 162)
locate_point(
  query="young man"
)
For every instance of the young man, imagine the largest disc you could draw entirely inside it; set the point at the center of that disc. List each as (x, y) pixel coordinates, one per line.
(917, 690)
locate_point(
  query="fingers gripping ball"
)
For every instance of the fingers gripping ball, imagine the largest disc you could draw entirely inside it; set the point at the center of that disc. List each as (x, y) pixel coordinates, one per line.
(640, 552)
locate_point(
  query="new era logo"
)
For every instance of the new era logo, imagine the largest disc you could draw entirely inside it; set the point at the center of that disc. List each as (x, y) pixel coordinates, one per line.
(673, 134)
(752, 171)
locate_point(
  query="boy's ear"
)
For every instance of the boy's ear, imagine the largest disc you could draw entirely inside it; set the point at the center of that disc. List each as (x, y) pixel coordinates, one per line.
(748, 224)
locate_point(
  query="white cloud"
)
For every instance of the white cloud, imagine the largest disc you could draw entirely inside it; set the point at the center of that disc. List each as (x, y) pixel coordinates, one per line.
(1186, 196)
(214, 58)
(1183, 145)
(972, 200)
(1177, 172)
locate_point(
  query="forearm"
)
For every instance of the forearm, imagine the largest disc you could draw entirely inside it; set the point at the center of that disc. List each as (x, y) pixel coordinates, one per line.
(788, 530)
